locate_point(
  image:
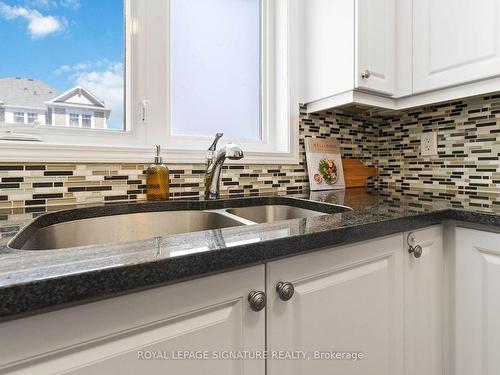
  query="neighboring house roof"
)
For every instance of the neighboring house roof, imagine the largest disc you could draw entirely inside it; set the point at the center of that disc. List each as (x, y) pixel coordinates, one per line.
(24, 92)
(78, 96)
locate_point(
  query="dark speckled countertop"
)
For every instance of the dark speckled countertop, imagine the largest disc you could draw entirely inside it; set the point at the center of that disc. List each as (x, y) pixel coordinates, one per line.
(41, 280)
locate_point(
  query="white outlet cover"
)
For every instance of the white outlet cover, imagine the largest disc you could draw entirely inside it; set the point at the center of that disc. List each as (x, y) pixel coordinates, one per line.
(428, 144)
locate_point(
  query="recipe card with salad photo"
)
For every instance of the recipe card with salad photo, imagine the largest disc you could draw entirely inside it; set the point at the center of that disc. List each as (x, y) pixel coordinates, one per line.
(324, 164)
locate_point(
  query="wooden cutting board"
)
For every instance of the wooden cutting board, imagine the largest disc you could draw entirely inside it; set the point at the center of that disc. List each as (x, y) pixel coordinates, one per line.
(356, 173)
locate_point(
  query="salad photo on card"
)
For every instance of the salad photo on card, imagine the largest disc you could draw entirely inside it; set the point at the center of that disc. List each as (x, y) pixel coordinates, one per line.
(324, 164)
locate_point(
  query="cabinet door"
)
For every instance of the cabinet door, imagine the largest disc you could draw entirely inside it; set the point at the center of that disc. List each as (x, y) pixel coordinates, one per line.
(477, 302)
(120, 335)
(328, 48)
(376, 45)
(424, 279)
(455, 41)
(347, 299)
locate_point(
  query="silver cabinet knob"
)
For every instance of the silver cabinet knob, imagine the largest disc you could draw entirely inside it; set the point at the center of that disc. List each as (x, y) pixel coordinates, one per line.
(257, 300)
(365, 74)
(416, 251)
(285, 290)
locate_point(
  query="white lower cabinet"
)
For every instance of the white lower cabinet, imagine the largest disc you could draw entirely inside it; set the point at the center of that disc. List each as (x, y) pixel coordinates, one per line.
(373, 298)
(112, 336)
(476, 303)
(434, 314)
(424, 280)
(346, 299)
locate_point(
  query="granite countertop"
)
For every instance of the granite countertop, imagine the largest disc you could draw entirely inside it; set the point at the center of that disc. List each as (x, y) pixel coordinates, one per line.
(41, 280)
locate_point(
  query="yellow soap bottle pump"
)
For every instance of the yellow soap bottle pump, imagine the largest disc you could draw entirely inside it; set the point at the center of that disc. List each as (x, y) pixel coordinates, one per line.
(157, 179)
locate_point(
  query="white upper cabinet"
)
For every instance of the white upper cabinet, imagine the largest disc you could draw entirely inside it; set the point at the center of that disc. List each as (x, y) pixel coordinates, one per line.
(328, 48)
(375, 45)
(399, 54)
(454, 42)
(345, 41)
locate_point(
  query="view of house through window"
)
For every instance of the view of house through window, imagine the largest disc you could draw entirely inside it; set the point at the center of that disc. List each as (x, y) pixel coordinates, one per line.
(65, 65)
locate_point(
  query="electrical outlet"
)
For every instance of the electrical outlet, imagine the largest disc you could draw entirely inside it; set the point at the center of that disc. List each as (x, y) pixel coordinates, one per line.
(428, 144)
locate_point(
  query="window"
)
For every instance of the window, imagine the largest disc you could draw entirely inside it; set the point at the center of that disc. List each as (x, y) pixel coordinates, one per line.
(215, 68)
(230, 68)
(194, 68)
(64, 76)
(74, 120)
(19, 117)
(86, 121)
(32, 117)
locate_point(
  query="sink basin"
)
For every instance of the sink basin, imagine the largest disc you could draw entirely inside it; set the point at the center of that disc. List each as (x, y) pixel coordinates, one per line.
(140, 221)
(273, 212)
(127, 227)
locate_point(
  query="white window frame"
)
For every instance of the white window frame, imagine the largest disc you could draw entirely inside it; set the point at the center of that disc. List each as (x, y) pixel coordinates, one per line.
(147, 99)
(16, 115)
(88, 117)
(69, 116)
(35, 118)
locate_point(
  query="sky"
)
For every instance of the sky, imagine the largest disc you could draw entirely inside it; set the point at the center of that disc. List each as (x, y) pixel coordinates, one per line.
(65, 43)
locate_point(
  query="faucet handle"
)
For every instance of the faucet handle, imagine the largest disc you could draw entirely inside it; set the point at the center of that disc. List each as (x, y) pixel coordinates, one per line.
(212, 148)
(214, 144)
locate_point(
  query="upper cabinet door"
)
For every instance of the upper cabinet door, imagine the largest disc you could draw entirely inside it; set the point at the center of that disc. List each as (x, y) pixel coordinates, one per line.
(376, 45)
(455, 41)
(328, 48)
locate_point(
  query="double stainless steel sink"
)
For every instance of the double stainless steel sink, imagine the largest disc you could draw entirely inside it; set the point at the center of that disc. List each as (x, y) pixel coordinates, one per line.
(113, 227)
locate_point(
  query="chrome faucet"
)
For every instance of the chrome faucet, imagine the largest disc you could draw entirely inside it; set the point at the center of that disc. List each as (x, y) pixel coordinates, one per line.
(214, 165)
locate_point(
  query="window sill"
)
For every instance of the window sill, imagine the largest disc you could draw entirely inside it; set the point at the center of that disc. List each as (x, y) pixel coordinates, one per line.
(36, 152)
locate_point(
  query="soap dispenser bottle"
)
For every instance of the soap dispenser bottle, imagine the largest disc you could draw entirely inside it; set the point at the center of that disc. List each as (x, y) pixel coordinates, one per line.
(157, 179)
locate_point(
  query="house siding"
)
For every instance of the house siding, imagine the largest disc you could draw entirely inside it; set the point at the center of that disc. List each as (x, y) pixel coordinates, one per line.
(59, 117)
(79, 99)
(99, 120)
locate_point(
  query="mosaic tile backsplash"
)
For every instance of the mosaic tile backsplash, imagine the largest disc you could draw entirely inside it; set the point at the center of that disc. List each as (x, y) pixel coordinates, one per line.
(465, 173)
(28, 188)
